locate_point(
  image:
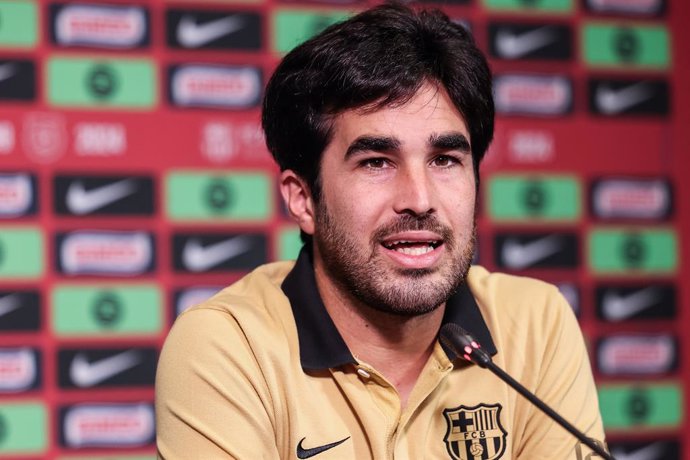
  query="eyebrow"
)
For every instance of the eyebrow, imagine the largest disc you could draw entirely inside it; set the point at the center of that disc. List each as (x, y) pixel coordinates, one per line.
(449, 141)
(372, 144)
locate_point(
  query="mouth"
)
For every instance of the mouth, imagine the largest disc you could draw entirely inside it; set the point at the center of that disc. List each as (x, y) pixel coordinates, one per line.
(412, 247)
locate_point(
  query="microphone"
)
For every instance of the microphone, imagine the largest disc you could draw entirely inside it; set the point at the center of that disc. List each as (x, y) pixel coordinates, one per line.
(463, 344)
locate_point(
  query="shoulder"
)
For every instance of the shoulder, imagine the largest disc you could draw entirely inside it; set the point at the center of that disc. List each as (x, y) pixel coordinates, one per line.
(521, 312)
(511, 294)
(255, 295)
(240, 315)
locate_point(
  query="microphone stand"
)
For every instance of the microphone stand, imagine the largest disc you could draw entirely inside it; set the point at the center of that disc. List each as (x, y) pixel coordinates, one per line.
(472, 352)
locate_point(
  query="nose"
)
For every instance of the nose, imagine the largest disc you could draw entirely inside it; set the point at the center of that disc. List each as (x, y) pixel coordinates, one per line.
(414, 192)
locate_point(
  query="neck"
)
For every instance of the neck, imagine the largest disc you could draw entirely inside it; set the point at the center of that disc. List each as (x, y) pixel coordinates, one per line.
(397, 346)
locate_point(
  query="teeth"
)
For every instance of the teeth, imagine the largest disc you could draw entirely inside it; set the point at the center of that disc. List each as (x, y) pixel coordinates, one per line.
(414, 251)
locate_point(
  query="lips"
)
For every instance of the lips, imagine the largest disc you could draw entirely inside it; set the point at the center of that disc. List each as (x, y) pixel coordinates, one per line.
(414, 249)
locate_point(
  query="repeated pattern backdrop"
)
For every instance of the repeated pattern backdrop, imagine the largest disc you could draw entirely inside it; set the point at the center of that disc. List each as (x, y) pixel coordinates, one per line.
(134, 182)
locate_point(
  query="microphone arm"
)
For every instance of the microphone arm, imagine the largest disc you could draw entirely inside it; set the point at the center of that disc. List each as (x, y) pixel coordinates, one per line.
(463, 344)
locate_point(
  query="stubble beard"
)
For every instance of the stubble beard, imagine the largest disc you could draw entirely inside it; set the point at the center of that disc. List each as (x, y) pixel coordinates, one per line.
(360, 272)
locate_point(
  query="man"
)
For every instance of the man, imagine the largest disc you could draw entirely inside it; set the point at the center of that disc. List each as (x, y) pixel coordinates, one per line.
(378, 125)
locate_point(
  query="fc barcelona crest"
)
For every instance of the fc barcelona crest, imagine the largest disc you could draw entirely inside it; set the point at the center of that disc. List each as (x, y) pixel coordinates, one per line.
(475, 433)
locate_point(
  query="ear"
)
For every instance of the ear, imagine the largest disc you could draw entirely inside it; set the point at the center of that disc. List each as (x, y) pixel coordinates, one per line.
(298, 201)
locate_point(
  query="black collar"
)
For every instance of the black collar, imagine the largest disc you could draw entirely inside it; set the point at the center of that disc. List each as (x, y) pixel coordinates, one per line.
(321, 345)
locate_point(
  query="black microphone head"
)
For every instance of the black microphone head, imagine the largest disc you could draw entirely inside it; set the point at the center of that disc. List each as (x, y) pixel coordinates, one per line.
(463, 344)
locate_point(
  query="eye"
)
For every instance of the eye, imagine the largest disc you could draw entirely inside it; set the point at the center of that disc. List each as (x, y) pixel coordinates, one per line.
(374, 163)
(445, 161)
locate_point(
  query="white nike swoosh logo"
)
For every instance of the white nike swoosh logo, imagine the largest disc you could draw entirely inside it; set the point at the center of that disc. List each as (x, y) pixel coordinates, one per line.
(81, 201)
(618, 308)
(199, 258)
(650, 452)
(612, 101)
(517, 255)
(87, 374)
(9, 303)
(7, 71)
(513, 46)
(193, 35)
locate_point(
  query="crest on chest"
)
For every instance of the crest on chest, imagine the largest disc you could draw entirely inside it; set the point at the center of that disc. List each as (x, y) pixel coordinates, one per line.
(475, 433)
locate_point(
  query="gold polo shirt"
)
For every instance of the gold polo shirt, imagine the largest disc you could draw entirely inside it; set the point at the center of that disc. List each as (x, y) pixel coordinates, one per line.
(260, 371)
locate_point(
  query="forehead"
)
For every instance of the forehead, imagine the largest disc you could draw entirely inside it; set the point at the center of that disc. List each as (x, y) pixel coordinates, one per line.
(429, 110)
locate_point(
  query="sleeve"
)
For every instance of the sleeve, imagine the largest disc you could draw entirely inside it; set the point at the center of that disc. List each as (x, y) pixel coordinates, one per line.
(212, 401)
(566, 385)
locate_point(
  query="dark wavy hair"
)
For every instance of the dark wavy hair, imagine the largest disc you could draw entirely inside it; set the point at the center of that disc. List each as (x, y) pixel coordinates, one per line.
(378, 58)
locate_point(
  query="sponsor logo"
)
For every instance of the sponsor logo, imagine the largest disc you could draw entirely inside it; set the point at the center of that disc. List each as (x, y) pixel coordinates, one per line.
(630, 46)
(18, 369)
(103, 252)
(191, 34)
(656, 450)
(100, 139)
(215, 86)
(530, 41)
(102, 81)
(222, 141)
(648, 199)
(198, 253)
(80, 201)
(117, 310)
(107, 310)
(86, 374)
(623, 303)
(640, 406)
(107, 425)
(240, 196)
(514, 46)
(625, 97)
(651, 250)
(197, 257)
(7, 137)
(312, 451)
(531, 146)
(230, 30)
(475, 433)
(632, 7)
(17, 80)
(17, 195)
(86, 368)
(119, 27)
(525, 198)
(103, 195)
(626, 44)
(637, 355)
(533, 95)
(82, 82)
(519, 252)
(219, 195)
(187, 298)
(217, 141)
(44, 136)
(617, 307)
(19, 311)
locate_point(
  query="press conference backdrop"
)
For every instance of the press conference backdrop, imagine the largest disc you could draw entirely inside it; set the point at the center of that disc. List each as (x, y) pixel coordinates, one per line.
(134, 182)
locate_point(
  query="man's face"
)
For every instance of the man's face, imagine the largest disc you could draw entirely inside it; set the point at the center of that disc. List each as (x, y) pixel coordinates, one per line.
(394, 227)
